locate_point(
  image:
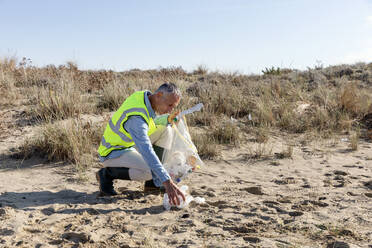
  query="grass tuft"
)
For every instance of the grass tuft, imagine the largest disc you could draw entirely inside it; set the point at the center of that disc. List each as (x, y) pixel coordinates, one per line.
(62, 101)
(354, 140)
(71, 140)
(114, 94)
(206, 145)
(226, 134)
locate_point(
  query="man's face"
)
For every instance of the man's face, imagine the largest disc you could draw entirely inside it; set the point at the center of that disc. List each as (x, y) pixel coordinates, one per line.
(167, 102)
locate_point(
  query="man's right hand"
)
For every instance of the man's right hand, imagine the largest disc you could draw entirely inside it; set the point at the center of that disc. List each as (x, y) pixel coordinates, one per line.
(173, 192)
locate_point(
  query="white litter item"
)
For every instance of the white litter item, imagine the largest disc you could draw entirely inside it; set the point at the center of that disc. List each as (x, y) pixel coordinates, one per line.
(199, 200)
(344, 139)
(183, 204)
(233, 120)
(249, 117)
(197, 107)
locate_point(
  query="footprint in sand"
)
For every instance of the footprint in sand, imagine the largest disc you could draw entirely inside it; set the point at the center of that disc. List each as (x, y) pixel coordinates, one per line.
(48, 211)
(353, 166)
(239, 229)
(368, 195)
(284, 199)
(340, 172)
(251, 239)
(2, 212)
(338, 244)
(6, 232)
(339, 179)
(309, 205)
(368, 184)
(287, 180)
(220, 204)
(295, 213)
(253, 190)
(76, 237)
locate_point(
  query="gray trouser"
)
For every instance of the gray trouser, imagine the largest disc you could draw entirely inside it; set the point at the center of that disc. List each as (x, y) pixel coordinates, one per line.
(138, 168)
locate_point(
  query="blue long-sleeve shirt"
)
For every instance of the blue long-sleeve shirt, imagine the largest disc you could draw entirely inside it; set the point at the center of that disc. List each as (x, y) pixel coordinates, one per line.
(138, 129)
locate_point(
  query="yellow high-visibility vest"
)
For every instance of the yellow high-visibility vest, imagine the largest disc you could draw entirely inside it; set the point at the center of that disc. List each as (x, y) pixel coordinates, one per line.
(115, 137)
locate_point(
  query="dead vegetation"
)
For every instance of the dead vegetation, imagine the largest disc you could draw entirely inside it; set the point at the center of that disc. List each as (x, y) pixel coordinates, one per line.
(72, 140)
(328, 101)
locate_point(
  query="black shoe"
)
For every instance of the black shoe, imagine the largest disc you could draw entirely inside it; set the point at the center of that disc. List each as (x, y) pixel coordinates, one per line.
(106, 186)
(105, 177)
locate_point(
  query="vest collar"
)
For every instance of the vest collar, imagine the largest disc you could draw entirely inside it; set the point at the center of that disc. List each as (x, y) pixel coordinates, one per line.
(148, 104)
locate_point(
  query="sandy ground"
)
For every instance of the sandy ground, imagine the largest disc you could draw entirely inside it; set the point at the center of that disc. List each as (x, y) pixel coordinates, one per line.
(321, 197)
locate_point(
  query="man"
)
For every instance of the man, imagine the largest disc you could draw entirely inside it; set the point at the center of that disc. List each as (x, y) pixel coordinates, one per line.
(132, 144)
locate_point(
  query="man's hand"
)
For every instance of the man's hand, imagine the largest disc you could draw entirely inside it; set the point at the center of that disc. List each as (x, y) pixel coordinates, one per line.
(173, 192)
(172, 116)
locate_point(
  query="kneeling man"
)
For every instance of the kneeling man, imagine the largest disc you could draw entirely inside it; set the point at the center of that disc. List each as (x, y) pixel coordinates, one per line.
(132, 145)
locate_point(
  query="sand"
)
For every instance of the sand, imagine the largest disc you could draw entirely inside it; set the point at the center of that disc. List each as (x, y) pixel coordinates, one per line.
(321, 197)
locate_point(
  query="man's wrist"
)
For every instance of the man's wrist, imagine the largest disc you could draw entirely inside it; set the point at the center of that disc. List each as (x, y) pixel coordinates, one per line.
(165, 183)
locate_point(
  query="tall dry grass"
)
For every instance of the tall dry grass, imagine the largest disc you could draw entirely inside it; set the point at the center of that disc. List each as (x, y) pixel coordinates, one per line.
(206, 145)
(9, 94)
(71, 140)
(60, 101)
(323, 100)
(114, 94)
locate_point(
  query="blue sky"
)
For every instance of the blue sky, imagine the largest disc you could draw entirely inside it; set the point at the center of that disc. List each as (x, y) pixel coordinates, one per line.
(226, 35)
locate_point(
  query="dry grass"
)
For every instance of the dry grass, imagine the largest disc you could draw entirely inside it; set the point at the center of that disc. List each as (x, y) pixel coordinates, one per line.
(61, 101)
(287, 152)
(206, 145)
(8, 92)
(114, 94)
(326, 101)
(226, 134)
(259, 151)
(261, 134)
(354, 140)
(72, 140)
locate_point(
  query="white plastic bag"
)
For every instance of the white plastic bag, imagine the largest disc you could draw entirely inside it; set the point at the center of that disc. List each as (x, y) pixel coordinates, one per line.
(182, 158)
(183, 204)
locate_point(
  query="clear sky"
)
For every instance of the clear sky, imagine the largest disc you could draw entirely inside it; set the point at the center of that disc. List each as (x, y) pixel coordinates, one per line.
(226, 35)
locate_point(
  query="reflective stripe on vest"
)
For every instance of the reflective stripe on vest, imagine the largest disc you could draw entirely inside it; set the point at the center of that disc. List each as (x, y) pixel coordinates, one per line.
(115, 128)
(115, 136)
(108, 145)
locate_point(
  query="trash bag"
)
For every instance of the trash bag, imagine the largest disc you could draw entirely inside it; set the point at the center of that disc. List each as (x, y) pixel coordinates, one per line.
(182, 158)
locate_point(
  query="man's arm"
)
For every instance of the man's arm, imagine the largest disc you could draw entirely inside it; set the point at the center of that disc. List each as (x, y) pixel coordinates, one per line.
(138, 128)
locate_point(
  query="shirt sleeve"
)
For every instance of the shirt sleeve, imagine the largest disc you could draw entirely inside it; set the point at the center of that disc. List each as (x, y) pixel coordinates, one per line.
(137, 127)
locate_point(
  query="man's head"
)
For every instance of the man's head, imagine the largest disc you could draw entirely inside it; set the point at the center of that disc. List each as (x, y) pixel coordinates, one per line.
(165, 98)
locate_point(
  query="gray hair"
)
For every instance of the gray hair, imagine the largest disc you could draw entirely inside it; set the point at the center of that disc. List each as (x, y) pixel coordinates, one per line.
(169, 88)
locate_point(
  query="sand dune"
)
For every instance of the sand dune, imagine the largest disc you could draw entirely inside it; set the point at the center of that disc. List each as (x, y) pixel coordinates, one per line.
(321, 197)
